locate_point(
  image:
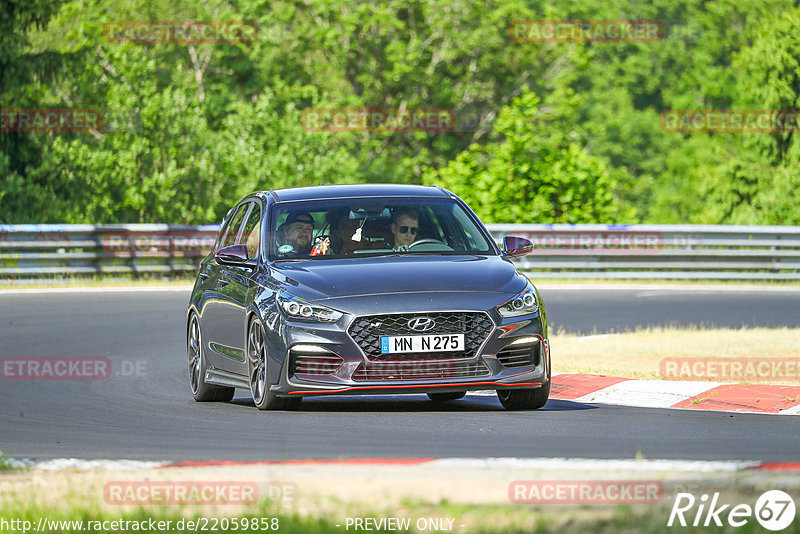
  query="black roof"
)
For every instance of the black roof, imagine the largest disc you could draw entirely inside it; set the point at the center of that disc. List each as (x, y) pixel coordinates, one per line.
(356, 190)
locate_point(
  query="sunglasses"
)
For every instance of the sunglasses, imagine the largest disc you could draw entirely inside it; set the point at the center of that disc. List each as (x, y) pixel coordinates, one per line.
(406, 229)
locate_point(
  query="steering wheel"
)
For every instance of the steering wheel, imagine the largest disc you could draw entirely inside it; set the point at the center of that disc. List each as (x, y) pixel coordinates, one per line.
(423, 241)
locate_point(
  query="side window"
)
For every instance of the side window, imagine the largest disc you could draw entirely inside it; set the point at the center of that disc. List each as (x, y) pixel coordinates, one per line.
(235, 225)
(251, 236)
(467, 231)
(223, 228)
(433, 225)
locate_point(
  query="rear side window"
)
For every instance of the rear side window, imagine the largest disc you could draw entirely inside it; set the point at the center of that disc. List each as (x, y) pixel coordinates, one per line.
(251, 236)
(222, 229)
(232, 231)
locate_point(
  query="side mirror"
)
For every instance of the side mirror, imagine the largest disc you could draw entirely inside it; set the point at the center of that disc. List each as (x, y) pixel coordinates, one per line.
(516, 247)
(234, 255)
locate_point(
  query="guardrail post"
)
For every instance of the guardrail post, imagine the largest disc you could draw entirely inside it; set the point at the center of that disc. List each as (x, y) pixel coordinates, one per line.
(134, 267)
(171, 246)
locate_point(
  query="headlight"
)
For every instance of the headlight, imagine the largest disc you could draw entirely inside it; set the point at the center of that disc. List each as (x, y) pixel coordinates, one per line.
(522, 304)
(299, 309)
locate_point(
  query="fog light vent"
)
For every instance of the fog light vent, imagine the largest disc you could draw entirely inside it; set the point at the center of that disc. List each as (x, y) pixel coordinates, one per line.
(314, 361)
(520, 353)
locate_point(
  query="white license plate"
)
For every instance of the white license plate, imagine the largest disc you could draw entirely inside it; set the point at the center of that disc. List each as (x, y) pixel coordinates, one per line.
(426, 343)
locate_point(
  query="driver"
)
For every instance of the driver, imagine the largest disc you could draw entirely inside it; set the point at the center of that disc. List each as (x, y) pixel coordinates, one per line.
(296, 233)
(405, 227)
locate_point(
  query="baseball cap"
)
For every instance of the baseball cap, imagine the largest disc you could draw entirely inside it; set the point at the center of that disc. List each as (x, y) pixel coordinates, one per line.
(300, 216)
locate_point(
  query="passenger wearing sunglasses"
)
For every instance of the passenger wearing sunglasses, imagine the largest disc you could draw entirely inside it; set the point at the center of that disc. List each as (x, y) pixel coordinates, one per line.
(405, 228)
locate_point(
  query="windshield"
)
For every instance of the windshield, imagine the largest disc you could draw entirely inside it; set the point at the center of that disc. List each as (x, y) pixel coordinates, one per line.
(326, 229)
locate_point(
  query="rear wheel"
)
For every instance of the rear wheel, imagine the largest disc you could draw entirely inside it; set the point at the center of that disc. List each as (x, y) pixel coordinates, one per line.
(442, 397)
(524, 399)
(201, 391)
(257, 367)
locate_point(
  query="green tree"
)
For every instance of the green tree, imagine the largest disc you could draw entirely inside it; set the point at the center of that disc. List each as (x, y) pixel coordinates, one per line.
(531, 171)
(756, 181)
(22, 72)
(190, 128)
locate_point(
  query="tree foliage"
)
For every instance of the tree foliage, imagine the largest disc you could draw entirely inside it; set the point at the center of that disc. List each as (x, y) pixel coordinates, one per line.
(532, 171)
(561, 132)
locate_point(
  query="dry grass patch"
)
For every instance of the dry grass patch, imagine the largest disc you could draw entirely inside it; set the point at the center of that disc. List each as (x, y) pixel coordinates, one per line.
(638, 354)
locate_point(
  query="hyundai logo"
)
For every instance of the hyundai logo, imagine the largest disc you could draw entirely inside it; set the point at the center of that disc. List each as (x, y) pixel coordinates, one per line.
(421, 324)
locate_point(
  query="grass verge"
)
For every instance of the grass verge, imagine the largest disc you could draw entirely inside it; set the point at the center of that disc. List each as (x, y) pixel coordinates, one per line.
(473, 519)
(328, 498)
(476, 519)
(5, 463)
(639, 354)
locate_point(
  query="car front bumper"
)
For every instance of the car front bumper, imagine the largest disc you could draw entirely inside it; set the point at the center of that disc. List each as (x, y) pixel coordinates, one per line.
(317, 359)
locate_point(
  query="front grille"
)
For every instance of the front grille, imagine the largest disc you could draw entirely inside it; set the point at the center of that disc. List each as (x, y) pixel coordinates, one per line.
(419, 370)
(520, 355)
(315, 364)
(367, 330)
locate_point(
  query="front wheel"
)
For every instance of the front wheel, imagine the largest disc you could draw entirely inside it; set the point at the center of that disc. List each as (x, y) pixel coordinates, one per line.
(201, 391)
(524, 399)
(257, 367)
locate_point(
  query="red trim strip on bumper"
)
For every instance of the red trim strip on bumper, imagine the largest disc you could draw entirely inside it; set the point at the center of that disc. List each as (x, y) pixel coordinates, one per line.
(358, 388)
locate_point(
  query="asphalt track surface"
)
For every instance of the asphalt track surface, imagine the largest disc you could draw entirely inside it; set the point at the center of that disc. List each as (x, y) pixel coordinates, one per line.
(147, 413)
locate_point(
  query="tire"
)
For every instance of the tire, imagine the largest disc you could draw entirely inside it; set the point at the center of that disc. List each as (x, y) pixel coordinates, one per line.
(442, 397)
(524, 399)
(257, 372)
(201, 391)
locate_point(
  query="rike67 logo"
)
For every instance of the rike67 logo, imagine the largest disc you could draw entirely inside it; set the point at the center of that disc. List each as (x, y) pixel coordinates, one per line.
(774, 510)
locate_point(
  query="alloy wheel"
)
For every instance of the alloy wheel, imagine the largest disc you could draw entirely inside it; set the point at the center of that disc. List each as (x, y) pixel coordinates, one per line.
(257, 354)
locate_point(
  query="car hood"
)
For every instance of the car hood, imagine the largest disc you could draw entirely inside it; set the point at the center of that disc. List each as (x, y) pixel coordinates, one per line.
(361, 277)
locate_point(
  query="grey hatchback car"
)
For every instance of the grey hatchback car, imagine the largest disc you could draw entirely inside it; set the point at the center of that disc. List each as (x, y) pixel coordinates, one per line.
(364, 290)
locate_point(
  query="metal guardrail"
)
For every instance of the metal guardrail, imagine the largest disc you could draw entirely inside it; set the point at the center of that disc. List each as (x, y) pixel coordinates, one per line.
(655, 251)
(562, 251)
(34, 250)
